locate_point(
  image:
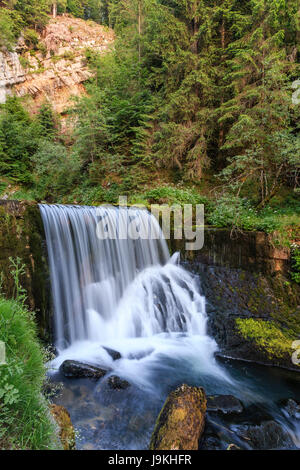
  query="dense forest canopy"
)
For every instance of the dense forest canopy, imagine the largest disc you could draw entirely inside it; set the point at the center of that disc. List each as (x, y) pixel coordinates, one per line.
(192, 91)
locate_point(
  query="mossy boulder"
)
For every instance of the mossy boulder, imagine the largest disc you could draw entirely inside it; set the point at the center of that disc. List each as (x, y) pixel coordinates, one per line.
(65, 426)
(181, 421)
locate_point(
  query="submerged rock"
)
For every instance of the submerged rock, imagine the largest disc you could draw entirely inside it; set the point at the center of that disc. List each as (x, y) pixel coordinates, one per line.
(226, 404)
(268, 436)
(65, 426)
(181, 421)
(117, 383)
(75, 369)
(115, 355)
(293, 409)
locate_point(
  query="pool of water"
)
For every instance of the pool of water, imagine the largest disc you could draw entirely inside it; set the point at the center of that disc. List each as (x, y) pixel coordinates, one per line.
(124, 419)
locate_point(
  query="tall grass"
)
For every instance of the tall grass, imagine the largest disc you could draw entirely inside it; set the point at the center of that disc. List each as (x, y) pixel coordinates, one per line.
(25, 421)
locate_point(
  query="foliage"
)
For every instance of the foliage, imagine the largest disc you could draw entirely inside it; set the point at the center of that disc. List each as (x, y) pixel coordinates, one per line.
(55, 169)
(296, 265)
(10, 27)
(24, 415)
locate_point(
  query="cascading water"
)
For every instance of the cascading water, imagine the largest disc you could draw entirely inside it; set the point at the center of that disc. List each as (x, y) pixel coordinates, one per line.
(126, 293)
(112, 289)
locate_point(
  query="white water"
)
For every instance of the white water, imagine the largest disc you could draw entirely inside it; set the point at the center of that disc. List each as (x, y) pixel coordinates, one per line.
(125, 294)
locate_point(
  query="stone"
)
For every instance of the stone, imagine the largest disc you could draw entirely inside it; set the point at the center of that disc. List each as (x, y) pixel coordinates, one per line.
(181, 421)
(226, 404)
(116, 383)
(233, 447)
(293, 409)
(76, 369)
(115, 355)
(267, 436)
(65, 426)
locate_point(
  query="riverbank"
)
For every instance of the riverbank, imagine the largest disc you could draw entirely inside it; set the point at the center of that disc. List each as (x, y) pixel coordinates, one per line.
(25, 420)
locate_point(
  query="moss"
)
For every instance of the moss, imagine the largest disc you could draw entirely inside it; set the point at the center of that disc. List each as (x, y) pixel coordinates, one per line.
(266, 335)
(66, 429)
(181, 420)
(22, 235)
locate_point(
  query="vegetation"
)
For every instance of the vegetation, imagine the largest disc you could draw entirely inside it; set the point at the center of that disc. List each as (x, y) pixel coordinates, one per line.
(24, 413)
(193, 104)
(296, 265)
(275, 342)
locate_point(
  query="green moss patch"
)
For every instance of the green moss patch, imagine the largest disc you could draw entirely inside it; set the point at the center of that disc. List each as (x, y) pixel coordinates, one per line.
(276, 343)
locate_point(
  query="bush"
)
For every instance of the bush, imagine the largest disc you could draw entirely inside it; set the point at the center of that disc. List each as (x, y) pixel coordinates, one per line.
(31, 38)
(172, 195)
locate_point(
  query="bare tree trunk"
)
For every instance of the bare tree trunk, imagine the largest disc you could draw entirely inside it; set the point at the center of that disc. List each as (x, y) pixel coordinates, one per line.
(54, 9)
(139, 27)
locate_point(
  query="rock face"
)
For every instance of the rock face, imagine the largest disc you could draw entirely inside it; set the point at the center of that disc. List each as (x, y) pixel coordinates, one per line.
(77, 370)
(252, 316)
(225, 404)
(11, 73)
(181, 421)
(66, 429)
(22, 236)
(59, 68)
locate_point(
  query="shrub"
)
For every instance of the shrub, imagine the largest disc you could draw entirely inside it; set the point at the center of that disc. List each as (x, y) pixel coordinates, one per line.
(31, 38)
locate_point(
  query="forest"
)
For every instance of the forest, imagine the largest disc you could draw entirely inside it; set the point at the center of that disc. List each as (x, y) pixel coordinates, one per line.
(194, 101)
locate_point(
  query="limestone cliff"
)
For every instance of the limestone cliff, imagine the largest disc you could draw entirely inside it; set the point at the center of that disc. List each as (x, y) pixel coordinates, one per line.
(57, 69)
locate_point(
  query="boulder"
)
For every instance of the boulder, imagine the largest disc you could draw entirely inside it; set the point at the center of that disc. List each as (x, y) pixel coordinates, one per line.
(181, 421)
(76, 370)
(115, 355)
(267, 436)
(65, 426)
(225, 404)
(116, 383)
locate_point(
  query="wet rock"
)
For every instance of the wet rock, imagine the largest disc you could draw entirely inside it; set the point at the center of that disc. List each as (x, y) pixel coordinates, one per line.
(293, 409)
(268, 436)
(115, 355)
(226, 404)
(181, 421)
(75, 369)
(140, 354)
(233, 447)
(116, 383)
(65, 426)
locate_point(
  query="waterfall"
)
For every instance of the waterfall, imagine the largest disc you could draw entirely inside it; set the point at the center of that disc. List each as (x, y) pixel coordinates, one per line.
(103, 287)
(123, 293)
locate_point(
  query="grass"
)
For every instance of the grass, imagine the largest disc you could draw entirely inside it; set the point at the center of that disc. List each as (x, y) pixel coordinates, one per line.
(25, 421)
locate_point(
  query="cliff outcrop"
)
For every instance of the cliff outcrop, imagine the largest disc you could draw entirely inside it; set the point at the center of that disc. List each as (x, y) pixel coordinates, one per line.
(55, 69)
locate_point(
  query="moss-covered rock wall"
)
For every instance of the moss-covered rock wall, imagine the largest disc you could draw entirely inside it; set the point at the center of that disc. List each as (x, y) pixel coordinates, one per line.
(252, 303)
(22, 236)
